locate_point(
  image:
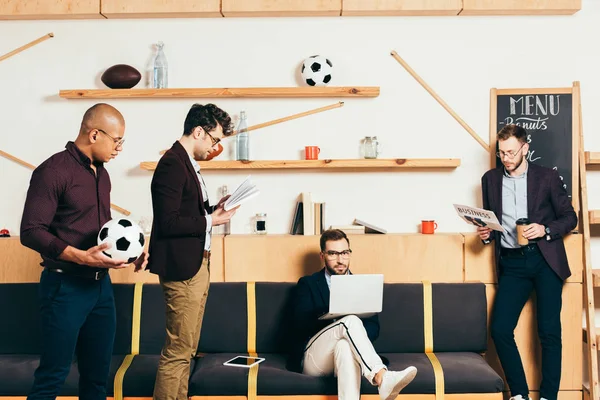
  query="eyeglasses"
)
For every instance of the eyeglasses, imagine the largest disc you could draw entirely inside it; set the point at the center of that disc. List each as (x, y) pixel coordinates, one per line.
(118, 142)
(332, 255)
(509, 154)
(215, 141)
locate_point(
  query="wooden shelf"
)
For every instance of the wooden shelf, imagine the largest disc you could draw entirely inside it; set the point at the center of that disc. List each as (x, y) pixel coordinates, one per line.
(261, 92)
(97, 9)
(400, 7)
(400, 163)
(281, 8)
(57, 9)
(160, 8)
(594, 217)
(520, 7)
(592, 158)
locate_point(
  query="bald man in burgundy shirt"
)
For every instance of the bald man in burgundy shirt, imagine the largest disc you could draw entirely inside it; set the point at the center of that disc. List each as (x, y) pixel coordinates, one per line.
(67, 203)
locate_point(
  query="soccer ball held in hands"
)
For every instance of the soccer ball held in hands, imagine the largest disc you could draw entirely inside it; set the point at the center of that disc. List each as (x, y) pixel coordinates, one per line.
(126, 239)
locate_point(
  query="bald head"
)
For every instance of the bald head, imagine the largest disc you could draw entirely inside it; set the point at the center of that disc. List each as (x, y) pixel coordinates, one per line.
(102, 133)
(102, 116)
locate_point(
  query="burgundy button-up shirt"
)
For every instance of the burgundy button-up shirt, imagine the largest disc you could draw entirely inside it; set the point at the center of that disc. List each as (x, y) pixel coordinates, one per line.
(67, 204)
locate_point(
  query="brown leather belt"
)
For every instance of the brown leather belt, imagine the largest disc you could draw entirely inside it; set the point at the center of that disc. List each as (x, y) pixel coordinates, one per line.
(207, 254)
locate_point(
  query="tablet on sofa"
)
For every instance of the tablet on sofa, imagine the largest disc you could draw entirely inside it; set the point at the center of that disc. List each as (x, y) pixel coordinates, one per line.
(244, 361)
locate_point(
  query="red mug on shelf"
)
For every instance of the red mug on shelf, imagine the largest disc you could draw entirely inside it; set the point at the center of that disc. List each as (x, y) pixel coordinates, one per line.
(311, 152)
(215, 153)
(428, 227)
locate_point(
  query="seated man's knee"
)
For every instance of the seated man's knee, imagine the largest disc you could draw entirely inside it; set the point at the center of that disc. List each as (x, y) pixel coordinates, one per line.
(342, 348)
(350, 320)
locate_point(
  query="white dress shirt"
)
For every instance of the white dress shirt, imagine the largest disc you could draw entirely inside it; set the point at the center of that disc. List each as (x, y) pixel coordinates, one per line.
(205, 198)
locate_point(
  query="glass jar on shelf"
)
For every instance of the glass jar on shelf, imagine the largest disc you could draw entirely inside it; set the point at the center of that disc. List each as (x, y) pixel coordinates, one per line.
(260, 224)
(371, 147)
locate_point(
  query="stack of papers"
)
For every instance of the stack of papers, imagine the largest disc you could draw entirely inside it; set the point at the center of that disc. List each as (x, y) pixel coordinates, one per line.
(244, 192)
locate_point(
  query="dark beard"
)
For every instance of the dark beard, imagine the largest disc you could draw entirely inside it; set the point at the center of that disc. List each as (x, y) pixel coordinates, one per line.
(333, 271)
(519, 164)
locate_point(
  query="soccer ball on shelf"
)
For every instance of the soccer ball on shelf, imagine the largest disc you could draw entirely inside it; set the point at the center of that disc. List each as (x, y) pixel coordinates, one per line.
(126, 239)
(316, 71)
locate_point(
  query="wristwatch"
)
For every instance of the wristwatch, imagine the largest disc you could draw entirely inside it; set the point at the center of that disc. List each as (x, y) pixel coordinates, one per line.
(547, 230)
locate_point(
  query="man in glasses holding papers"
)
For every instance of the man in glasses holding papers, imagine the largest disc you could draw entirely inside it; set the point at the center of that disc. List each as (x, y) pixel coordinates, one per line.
(180, 242)
(343, 347)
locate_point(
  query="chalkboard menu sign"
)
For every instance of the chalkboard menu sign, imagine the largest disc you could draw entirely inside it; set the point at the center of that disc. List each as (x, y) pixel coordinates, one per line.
(548, 116)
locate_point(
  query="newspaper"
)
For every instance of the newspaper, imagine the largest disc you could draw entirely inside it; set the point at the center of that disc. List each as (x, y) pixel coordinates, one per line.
(478, 217)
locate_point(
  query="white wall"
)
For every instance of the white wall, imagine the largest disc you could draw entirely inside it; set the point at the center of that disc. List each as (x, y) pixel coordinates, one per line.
(460, 57)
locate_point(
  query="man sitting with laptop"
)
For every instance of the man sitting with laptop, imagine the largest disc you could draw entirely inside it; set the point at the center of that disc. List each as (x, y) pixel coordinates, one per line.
(334, 316)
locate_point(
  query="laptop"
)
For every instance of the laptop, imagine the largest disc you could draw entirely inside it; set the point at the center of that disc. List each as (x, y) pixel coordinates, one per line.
(360, 295)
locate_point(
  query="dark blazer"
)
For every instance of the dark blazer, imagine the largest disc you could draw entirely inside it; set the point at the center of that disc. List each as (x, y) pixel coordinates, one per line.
(310, 301)
(547, 204)
(179, 225)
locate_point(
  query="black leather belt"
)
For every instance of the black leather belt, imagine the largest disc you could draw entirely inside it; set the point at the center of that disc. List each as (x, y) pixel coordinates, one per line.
(81, 272)
(520, 251)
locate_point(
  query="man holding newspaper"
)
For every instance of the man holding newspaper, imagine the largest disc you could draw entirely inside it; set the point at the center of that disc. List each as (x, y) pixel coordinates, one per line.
(180, 242)
(535, 212)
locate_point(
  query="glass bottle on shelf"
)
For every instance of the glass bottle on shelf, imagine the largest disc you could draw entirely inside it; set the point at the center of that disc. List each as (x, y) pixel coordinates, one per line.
(242, 139)
(161, 69)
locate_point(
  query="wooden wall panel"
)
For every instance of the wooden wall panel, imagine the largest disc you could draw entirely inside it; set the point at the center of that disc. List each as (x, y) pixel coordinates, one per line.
(520, 7)
(50, 9)
(127, 275)
(479, 265)
(401, 257)
(574, 248)
(19, 264)
(161, 8)
(281, 8)
(528, 342)
(400, 7)
(479, 260)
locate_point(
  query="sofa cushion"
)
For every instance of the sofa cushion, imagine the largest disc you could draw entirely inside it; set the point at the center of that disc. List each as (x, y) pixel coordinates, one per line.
(16, 375)
(224, 327)
(463, 373)
(459, 318)
(152, 322)
(272, 313)
(211, 378)
(20, 327)
(401, 319)
(124, 307)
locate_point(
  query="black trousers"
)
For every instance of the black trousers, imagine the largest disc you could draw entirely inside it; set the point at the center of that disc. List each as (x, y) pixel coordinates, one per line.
(77, 319)
(520, 274)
